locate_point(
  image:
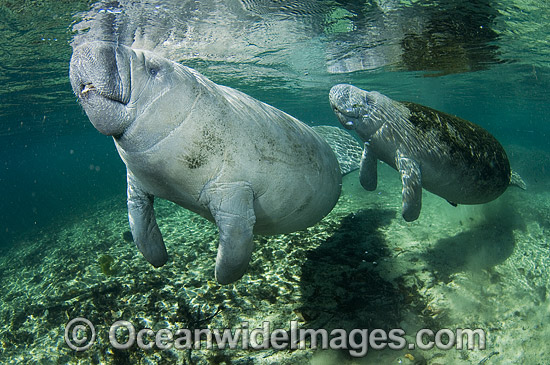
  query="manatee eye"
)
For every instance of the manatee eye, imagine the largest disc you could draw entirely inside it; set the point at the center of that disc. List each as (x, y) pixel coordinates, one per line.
(153, 71)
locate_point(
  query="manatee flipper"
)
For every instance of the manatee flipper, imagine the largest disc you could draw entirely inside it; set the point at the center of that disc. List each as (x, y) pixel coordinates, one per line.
(345, 147)
(368, 169)
(517, 181)
(411, 177)
(143, 224)
(231, 205)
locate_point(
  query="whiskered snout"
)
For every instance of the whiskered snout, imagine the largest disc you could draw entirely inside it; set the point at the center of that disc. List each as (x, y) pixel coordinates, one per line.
(101, 68)
(101, 79)
(348, 103)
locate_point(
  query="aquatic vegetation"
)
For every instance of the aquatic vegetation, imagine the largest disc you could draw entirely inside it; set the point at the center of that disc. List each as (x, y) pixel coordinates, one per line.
(106, 263)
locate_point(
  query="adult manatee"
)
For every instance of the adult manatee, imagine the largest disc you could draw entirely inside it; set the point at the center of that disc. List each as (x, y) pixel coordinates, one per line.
(236, 161)
(448, 156)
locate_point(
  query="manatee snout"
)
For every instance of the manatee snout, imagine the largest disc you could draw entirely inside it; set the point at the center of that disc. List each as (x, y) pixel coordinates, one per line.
(347, 104)
(101, 79)
(103, 65)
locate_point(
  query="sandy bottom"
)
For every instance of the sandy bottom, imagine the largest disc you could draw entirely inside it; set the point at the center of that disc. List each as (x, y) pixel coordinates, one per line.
(362, 267)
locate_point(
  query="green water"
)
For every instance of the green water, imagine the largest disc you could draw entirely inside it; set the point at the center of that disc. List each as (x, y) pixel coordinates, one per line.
(63, 184)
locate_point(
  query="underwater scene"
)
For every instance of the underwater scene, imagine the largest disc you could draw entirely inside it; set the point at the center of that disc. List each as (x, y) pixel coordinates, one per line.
(275, 182)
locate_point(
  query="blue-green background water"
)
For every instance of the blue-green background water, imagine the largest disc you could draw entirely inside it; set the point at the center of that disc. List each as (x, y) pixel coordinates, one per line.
(53, 162)
(63, 186)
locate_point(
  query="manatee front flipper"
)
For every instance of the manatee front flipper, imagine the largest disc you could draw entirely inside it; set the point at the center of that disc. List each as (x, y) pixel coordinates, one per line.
(231, 205)
(368, 169)
(143, 224)
(411, 177)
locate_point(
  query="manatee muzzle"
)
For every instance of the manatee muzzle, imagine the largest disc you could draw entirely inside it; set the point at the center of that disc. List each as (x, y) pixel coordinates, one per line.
(102, 67)
(347, 104)
(101, 78)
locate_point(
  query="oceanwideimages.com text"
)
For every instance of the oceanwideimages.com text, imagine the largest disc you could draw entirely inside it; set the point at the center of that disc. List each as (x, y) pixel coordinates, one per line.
(80, 335)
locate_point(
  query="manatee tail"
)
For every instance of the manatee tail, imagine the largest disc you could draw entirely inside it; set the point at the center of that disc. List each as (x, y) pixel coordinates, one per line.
(346, 148)
(516, 180)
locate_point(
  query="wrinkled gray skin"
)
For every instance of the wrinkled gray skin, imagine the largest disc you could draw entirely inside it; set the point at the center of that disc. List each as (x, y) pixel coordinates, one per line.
(444, 154)
(238, 162)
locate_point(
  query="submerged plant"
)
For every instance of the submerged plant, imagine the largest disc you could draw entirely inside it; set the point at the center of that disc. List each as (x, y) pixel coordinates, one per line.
(106, 263)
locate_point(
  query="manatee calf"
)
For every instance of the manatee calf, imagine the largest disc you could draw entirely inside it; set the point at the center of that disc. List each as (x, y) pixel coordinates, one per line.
(238, 162)
(448, 156)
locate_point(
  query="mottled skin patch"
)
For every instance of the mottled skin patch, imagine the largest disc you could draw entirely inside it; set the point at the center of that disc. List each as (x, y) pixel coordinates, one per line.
(207, 147)
(468, 145)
